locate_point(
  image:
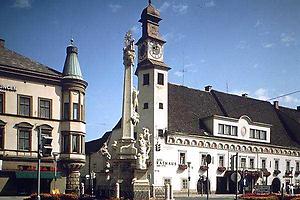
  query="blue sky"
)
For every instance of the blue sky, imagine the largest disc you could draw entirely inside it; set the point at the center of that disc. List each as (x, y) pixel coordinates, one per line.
(250, 46)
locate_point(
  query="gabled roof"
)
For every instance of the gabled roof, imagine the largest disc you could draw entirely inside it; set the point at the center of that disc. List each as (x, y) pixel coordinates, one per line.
(187, 106)
(188, 109)
(13, 60)
(95, 145)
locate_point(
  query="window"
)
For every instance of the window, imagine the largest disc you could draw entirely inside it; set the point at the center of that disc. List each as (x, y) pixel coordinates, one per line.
(263, 163)
(203, 159)
(182, 158)
(252, 133)
(160, 79)
(161, 106)
(184, 183)
(66, 144)
(234, 130)
(145, 79)
(75, 143)
(66, 110)
(258, 134)
(276, 164)
(24, 105)
(297, 167)
(221, 129)
(160, 133)
(167, 181)
(251, 162)
(1, 102)
(288, 165)
(221, 161)
(146, 105)
(227, 129)
(75, 111)
(45, 108)
(1, 136)
(24, 139)
(262, 135)
(243, 162)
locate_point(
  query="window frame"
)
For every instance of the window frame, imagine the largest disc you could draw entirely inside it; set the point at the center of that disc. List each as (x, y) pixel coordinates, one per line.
(184, 183)
(221, 164)
(251, 163)
(146, 79)
(146, 106)
(276, 164)
(2, 103)
(160, 106)
(2, 135)
(29, 131)
(75, 116)
(160, 78)
(180, 160)
(19, 104)
(50, 107)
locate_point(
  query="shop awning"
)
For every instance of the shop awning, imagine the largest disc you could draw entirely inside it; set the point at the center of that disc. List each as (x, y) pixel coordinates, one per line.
(33, 174)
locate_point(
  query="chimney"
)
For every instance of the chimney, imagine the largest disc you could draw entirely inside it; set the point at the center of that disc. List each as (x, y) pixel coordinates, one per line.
(208, 88)
(244, 95)
(2, 43)
(276, 104)
(298, 107)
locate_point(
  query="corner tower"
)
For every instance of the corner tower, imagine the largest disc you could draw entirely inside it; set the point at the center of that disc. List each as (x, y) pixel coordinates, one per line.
(73, 127)
(152, 75)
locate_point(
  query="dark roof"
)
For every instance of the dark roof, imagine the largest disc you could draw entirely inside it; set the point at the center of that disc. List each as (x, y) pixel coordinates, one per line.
(14, 60)
(188, 108)
(95, 145)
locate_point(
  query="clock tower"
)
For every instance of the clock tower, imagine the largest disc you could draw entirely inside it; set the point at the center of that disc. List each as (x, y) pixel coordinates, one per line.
(152, 75)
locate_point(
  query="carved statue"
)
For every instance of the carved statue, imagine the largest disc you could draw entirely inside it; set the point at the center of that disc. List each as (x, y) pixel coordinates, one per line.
(135, 118)
(128, 50)
(144, 149)
(104, 151)
(115, 145)
(135, 101)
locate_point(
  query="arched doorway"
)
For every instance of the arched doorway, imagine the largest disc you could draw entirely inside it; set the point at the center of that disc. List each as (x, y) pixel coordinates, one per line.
(202, 185)
(276, 185)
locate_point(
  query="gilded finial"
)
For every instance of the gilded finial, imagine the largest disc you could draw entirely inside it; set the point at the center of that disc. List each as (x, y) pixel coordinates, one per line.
(72, 41)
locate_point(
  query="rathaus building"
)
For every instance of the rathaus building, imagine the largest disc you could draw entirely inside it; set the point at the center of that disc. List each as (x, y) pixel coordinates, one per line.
(187, 124)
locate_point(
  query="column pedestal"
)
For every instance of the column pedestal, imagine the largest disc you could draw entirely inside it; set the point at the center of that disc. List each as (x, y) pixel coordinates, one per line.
(73, 181)
(141, 186)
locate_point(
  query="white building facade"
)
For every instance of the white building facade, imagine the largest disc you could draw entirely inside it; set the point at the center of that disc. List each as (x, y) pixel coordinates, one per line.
(188, 124)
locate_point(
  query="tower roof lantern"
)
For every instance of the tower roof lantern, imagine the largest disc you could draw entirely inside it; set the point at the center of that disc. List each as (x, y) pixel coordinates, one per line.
(149, 12)
(71, 67)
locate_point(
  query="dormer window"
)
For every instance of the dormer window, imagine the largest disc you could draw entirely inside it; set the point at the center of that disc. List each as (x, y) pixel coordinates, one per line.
(227, 129)
(258, 134)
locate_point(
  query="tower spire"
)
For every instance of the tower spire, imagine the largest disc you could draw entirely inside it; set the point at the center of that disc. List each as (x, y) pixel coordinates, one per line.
(149, 1)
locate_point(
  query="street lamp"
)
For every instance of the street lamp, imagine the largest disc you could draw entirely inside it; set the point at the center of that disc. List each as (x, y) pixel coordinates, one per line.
(92, 176)
(55, 155)
(189, 177)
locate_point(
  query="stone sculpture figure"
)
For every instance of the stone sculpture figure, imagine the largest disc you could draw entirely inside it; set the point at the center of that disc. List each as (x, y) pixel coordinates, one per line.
(144, 149)
(128, 50)
(135, 118)
(107, 156)
(104, 151)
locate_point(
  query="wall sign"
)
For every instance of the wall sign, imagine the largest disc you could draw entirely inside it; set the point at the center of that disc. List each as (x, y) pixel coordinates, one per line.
(162, 163)
(8, 88)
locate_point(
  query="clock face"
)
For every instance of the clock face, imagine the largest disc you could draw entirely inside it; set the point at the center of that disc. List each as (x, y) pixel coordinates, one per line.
(155, 50)
(142, 51)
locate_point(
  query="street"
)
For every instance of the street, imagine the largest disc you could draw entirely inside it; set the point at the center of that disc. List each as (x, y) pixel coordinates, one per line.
(12, 197)
(215, 197)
